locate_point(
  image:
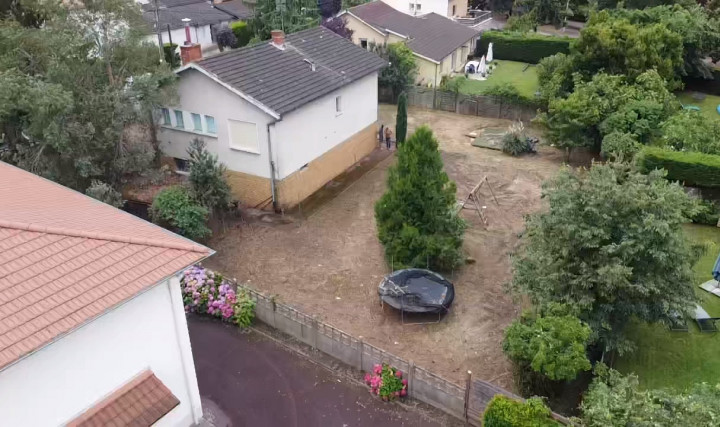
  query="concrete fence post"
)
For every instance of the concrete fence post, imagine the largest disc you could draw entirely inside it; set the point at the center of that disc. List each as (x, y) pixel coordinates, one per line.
(468, 384)
(314, 332)
(411, 377)
(361, 350)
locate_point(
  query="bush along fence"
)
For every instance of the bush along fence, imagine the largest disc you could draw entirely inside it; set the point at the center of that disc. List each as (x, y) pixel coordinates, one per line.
(522, 47)
(388, 376)
(690, 168)
(473, 105)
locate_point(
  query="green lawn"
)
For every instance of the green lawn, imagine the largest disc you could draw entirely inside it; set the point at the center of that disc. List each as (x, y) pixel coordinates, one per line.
(511, 72)
(708, 106)
(679, 359)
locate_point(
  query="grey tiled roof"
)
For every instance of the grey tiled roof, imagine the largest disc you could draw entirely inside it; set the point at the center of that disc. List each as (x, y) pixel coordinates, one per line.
(236, 8)
(431, 35)
(283, 80)
(172, 12)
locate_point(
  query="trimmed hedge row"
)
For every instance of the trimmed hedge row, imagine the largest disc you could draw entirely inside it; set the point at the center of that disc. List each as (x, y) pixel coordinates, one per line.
(691, 168)
(503, 411)
(521, 47)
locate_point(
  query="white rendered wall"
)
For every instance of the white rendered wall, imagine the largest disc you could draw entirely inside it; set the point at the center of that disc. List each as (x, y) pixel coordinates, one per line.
(59, 382)
(309, 132)
(426, 6)
(201, 95)
(200, 34)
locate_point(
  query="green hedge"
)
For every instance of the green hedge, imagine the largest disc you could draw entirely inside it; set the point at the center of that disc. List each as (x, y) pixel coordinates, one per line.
(503, 411)
(171, 55)
(523, 47)
(691, 168)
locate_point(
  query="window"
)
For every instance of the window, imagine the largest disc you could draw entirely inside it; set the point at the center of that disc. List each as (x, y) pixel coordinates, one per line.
(363, 43)
(182, 166)
(243, 136)
(338, 104)
(412, 6)
(166, 117)
(179, 122)
(418, 7)
(453, 14)
(197, 122)
(210, 123)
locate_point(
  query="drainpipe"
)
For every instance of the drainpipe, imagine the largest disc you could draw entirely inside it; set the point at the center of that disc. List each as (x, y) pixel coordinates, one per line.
(273, 189)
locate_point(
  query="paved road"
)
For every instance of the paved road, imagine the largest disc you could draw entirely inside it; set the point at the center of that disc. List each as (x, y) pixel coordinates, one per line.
(248, 380)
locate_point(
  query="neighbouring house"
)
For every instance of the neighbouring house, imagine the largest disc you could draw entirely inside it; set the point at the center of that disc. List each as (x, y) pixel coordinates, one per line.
(206, 18)
(441, 46)
(449, 8)
(92, 323)
(285, 116)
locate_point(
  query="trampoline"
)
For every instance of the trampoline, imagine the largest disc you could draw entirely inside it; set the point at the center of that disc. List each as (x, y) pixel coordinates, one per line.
(416, 290)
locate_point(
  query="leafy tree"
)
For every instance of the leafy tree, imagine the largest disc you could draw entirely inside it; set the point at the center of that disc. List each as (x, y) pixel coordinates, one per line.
(288, 15)
(639, 118)
(691, 131)
(522, 23)
(416, 217)
(338, 25)
(329, 8)
(175, 208)
(617, 400)
(700, 33)
(207, 178)
(501, 5)
(243, 33)
(617, 46)
(70, 89)
(555, 76)
(576, 121)
(225, 38)
(503, 411)
(610, 247)
(401, 120)
(103, 192)
(548, 11)
(401, 70)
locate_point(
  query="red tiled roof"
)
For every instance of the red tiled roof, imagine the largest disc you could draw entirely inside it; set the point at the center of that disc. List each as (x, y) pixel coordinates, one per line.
(66, 258)
(140, 403)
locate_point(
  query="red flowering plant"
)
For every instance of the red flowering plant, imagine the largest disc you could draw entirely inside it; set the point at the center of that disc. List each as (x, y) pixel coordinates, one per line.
(386, 382)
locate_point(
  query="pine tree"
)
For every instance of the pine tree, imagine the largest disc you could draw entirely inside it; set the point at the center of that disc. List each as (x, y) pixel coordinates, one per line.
(401, 120)
(416, 217)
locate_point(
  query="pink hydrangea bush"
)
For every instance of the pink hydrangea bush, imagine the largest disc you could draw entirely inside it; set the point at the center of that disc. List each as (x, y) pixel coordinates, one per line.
(207, 292)
(386, 382)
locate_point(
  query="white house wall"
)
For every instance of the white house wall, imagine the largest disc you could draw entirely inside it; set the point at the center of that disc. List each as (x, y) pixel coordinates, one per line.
(309, 132)
(61, 381)
(426, 6)
(201, 95)
(201, 34)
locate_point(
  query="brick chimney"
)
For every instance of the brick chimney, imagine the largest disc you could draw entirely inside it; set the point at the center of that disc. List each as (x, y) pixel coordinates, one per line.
(189, 52)
(278, 38)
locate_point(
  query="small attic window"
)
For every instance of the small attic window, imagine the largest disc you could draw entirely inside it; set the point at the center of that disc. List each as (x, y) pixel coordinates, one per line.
(312, 64)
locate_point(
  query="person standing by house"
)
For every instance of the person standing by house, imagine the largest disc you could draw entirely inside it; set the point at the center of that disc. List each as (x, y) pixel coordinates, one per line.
(388, 136)
(381, 134)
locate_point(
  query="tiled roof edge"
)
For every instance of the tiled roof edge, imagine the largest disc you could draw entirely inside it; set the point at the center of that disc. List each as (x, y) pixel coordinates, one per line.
(101, 236)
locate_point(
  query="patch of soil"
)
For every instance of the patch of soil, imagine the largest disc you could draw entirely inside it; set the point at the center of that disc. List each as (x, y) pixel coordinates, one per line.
(331, 263)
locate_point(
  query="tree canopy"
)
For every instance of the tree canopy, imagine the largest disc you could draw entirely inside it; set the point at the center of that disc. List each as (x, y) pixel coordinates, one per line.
(610, 247)
(402, 69)
(617, 400)
(553, 346)
(416, 217)
(71, 88)
(289, 15)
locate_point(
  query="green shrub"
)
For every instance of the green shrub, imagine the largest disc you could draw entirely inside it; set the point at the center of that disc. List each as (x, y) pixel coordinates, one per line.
(514, 142)
(104, 192)
(243, 33)
(503, 411)
(244, 309)
(620, 146)
(207, 178)
(708, 213)
(175, 207)
(171, 55)
(523, 47)
(698, 169)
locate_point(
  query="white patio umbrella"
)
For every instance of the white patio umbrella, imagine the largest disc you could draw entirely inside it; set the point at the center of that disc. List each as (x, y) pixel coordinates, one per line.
(489, 53)
(482, 68)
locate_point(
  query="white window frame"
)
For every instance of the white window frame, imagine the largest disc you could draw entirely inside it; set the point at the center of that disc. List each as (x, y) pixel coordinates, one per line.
(177, 123)
(243, 149)
(167, 119)
(200, 121)
(207, 127)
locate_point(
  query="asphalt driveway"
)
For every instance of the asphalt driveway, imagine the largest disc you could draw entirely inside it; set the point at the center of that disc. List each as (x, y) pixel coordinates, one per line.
(246, 379)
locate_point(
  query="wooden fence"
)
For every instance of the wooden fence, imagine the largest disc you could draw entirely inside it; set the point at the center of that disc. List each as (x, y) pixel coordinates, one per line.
(464, 402)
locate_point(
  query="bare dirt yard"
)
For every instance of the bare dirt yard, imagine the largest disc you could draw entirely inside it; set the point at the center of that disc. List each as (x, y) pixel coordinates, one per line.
(330, 263)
